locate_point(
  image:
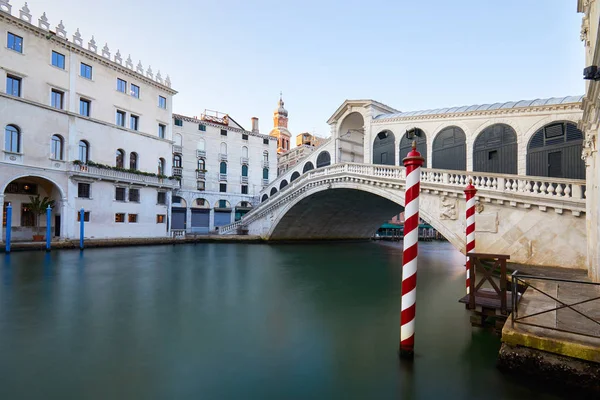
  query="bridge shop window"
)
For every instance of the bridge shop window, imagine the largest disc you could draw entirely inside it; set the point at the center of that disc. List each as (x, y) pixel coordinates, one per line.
(495, 150)
(450, 149)
(555, 151)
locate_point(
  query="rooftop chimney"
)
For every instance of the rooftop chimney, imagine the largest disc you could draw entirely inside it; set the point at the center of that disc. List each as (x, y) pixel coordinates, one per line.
(254, 124)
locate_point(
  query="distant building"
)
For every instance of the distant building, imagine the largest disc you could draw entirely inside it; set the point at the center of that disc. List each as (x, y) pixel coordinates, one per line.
(280, 128)
(287, 160)
(308, 140)
(222, 168)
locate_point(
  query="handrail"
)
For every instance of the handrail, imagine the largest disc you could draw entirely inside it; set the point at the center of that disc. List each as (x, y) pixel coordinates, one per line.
(505, 188)
(525, 280)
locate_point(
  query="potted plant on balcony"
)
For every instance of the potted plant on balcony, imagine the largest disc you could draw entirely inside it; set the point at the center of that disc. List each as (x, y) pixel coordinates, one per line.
(38, 207)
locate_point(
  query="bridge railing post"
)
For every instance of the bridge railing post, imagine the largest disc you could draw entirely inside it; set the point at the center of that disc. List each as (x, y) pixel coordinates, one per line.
(470, 192)
(446, 178)
(500, 185)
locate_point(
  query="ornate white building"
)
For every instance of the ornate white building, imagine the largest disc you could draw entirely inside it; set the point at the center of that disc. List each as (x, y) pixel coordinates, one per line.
(223, 168)
(85, 127)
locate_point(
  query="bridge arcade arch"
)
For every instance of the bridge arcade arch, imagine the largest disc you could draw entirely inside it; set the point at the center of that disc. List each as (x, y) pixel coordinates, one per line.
(406, 145)
(450, 149)
(351, 130)
(307, 167)
(495, 150)
(555, 151)
(323, 159)
(295, 176)
(384, 148)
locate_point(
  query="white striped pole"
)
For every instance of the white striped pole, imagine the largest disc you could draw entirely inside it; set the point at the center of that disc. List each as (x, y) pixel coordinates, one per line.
(470, 192)
(413, 163)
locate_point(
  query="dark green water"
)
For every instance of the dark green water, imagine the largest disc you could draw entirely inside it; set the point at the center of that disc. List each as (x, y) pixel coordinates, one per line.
(235, 321)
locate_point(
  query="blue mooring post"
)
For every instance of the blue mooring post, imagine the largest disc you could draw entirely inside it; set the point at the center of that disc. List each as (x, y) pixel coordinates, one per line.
(8, 226)
(48, 227)
(81, 215)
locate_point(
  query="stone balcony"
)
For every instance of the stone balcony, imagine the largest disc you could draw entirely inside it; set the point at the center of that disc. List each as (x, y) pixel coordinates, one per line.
(105, 174)
(222, 177)
(177, 149)
(222, 157)
(177, 171)
(244, 179)
(265, 164)
(244, 160)
(200, 153)
(200, 175)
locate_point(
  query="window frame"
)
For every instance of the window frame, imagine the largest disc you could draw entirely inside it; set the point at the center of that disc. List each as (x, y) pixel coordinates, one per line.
(124, 117)
(19, 83)
(121, 217)
(88, 106)
(162, 131)
(202, 127)
(246, 189)
(53, 150)
(223, 132)
(84, 67)
(121, 82)
(162, 201)
(134, 92)
(161, 218)
(14, 131)
(53, 96)
(118, 190)
(79, 191)
(132, 126)
(86, 216)
(162, 102)
(133, 195)
(87, 151)
(20, 41)
(222, 188)
(58, 57)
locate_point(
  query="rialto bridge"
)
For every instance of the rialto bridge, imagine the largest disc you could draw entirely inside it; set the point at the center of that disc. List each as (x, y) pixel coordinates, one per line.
(524, 158)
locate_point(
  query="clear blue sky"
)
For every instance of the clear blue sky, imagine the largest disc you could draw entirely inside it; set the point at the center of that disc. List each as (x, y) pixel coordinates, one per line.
(235, 56)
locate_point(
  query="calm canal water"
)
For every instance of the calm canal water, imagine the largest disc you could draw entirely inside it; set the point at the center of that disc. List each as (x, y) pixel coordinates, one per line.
(238, 321)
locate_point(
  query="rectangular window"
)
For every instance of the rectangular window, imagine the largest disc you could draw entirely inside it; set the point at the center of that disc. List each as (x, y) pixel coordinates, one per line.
(222, 203)
(135, 91)
(83, 190)
(162, 102)
(161, 198)
(201, 185)
(120, 217)
(132, 218)
(265, 141)
(244, 136)
(244, 189)
(121, 85)
(161, 218)
(202, 127)
(85, 71)
(222, 187)
(84, 107)
(56, 99)
(13, 85)
(223, 132)
(27, 215)
(58, 60)
(120, 194)
(178, 122)
(134, 122)
(86, 216)
(161, 130)
(134, 195)
(14, 42)
(120, 118)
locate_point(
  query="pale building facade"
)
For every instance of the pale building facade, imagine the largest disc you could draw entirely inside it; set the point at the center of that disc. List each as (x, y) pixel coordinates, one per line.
(223, 168)
(590, 125)
(83, 127)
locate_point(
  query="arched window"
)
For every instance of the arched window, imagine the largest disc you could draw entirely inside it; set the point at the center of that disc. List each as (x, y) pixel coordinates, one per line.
(161, 166)
(266, 173)
(223, 148)
(383, 148)
(495, 150)
(449, 149)
(244, 152)
(12, 139)
(555, 151)
(283, 184)
(273, 191)
(266, 156)
(307, 167)
(133, 161)
(406, 145)
(223, 167)
(120, 158)
(323, 159)
(56, 148)
(264, 198)
(295, 176)
(177, 161)
(201, 164)
(244, 170)
(84, 151)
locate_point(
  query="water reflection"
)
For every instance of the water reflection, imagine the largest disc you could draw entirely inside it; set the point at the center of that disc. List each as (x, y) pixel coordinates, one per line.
(218, 321)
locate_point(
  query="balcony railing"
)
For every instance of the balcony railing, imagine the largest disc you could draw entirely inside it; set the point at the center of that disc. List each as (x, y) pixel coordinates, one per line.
(200, 175)
(244, 179)
(201, 186)
(177, 171)
(222, 157)
(265, 164)
(120, 176)
(177, 149)
(222, 177)
(200, 153)
(244, 160)
(265, 182)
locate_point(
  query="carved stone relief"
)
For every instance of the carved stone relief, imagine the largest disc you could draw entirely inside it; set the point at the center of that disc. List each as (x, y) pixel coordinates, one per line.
(448, 208)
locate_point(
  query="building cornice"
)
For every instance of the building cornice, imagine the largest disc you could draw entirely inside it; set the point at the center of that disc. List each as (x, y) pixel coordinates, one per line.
(497, 112)
(229, 128)
(65, 43)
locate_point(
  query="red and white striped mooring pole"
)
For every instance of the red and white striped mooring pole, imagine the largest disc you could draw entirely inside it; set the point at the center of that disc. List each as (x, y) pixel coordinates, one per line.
(413, 163)
(470, 193)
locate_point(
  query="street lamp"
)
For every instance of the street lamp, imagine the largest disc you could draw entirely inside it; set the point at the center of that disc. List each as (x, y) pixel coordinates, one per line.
(339, 149)
(412, 132)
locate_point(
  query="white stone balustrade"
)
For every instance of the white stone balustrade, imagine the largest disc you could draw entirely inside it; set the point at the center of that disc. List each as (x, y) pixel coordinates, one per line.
(120, 176)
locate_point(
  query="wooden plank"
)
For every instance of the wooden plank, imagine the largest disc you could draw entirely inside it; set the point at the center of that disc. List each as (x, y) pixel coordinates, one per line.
(489, 256)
